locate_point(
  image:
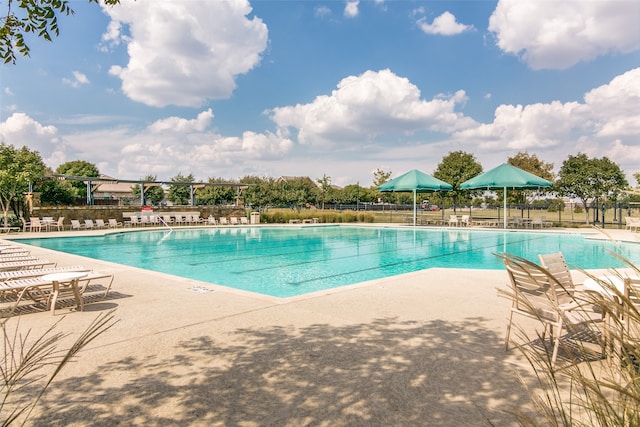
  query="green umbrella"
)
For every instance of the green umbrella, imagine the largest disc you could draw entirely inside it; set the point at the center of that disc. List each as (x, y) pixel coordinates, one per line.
(416, 182)
(505, 177)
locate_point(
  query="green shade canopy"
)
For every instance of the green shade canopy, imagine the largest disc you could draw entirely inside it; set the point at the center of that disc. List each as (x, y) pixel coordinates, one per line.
(505, 177)
(415, 182)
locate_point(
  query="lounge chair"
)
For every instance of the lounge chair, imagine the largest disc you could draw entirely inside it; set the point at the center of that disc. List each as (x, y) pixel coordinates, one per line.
(179, 219)
(16, 257)
(465, 220)
(556, 265)
(211, 221)
(632, 223)
(167, 219)
(35, 224)
(244, 220)
(25, 265)
(537, 222)
(134, 221)
(234, 220)
(223, 220)
(536, 294)
(88, 224)
(630, 333)
(37, 272)
(75, 225)
(113, 223)
(14, 250)
(50, 287)
(453, 220)
(59, 224)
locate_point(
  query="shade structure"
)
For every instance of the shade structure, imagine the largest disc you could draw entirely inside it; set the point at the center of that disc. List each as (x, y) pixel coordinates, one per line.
(505, 177)
(415, 181)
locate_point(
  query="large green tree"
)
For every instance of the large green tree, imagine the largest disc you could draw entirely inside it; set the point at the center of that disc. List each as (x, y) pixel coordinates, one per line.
(153, 194)
(590, 179)
(78, 168)
(39, 18)
(455, 168)
(380, 176)
(180, 194)
(325, 188)
(18, 168)
(532, 164)
(54, 192)
(216, 194)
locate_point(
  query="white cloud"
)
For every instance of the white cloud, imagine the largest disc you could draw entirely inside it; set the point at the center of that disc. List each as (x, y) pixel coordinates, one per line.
(614, 107)
(444, 25)
(605, 124)
(77, 80)
(180, 125)
(183, 53)
(351, 8)
(559, 34)
(366, 106)
(21, 130)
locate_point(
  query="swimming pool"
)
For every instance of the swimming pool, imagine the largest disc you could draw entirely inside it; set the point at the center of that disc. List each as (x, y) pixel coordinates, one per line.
(291, 261)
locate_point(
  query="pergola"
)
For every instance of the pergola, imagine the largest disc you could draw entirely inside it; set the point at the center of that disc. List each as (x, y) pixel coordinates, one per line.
(92, 183)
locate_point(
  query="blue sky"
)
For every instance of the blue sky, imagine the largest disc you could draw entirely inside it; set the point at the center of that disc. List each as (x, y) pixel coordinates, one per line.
(337, 88)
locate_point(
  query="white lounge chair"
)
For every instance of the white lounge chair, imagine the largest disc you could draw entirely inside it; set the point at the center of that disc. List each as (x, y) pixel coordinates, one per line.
(88, 224)
(223, 220)
(244, 220)
(234, 220)
(75, 225)
(35, 224)
(25, 265)
(632, 223)
(45, 289)
(100, 223)
(59, 224)
(37, 272)
(453, 220)
(536, 294)
(113, 223)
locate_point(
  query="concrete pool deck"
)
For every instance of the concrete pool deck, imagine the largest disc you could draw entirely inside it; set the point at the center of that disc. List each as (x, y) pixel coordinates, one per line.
(424, 348)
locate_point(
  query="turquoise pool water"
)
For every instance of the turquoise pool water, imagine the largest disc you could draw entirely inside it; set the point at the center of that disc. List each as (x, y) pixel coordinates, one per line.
(290, 261)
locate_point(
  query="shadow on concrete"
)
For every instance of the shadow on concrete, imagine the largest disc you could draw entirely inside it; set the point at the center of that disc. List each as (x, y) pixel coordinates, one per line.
(383, 373)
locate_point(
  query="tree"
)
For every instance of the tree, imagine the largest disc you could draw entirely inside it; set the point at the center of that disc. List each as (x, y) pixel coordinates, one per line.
(530, 163)
(298, 191)
(55, 193)
(153, 194)
(78, 168)
(380, 177)
(262, 192)
(455, 168)
(325, 188)
(589, 179)
(18, 168)
(180, 194)
(216, 194)
(35, 17)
